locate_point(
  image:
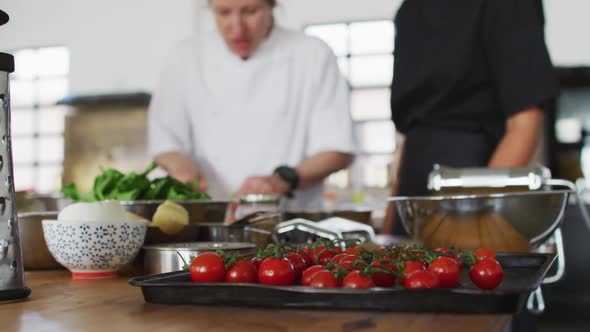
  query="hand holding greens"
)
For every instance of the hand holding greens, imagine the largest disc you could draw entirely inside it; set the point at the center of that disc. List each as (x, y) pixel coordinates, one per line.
(111, 184)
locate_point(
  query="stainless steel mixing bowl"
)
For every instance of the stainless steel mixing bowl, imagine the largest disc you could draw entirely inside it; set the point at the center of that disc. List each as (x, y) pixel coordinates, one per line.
(26, 202)
(515, 221)
(198, 210)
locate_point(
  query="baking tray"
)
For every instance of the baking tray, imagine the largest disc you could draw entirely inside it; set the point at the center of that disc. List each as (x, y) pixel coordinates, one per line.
(522, 274)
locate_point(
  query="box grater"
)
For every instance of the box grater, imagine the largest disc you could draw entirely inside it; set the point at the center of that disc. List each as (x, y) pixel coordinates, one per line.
(12, 280)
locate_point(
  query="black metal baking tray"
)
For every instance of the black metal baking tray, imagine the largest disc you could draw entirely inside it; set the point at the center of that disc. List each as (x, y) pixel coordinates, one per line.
(522, 274)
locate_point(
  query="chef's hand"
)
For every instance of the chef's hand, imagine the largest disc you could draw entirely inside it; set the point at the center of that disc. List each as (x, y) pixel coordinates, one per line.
(181, 168)
(271, 184)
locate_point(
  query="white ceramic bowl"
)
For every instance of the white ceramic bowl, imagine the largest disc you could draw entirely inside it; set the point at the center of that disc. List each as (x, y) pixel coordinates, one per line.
(94, 249)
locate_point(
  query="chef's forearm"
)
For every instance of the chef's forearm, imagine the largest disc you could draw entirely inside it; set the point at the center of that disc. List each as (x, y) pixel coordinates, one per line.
(520, 140)
(319, 166)
(388, 220)
(179, 166)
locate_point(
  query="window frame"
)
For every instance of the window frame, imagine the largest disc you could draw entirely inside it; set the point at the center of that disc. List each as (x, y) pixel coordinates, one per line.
(357, 169)
(37, 106)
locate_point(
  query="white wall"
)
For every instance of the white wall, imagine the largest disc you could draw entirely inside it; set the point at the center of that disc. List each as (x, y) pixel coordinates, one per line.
(297, 13)
(568, 31)
(118, 45)
(115, 45)
(567, 21)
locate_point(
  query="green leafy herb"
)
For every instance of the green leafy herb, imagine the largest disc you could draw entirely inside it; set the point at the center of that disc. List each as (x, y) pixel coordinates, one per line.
(114, 185)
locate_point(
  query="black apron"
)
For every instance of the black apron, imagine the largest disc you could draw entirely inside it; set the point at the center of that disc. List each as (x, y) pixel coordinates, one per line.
(426, 146)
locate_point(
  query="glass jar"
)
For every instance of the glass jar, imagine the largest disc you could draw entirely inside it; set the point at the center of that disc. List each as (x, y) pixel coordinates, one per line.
(251, 203)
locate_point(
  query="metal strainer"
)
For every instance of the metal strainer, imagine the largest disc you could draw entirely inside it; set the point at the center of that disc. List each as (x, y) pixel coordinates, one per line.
(506, 209)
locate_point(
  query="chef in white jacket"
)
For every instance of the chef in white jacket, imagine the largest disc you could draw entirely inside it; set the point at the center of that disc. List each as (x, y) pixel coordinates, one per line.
(252, 108)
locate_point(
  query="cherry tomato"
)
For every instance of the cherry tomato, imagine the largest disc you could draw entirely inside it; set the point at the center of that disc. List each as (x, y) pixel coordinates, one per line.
(421, 279)
(406, 256)
(453, 254)
(324, 255)
(309, 273)
(297, 262)
(448, 252)
(446, 270)
(243, 271)
(481, 253)
(346, 261)
(207, 267)
(353, 250)
(306, 257)
(338, 258)
(383, 279)
(486, 274)
(420, 261)
(310, 253)
(320, 255)
(277, 272)
(324, 279)
(256, 261)
(357, 280)
(409, 267)
(459, 262)
(443, 250)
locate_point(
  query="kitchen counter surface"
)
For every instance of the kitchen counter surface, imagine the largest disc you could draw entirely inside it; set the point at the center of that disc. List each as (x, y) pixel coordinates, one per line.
(58, 303)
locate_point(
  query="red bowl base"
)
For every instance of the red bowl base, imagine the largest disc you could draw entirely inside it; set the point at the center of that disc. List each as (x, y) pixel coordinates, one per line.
(94, 275)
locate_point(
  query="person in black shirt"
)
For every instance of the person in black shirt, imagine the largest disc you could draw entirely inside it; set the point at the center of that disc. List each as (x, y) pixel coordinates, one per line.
(470, 79)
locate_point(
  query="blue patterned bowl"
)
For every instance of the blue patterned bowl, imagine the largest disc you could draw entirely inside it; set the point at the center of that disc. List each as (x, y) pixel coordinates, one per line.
(94, 249)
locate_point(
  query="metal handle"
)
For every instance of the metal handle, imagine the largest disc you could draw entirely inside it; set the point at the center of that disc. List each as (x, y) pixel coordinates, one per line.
(249, 229)
(536, 303)
(578, 192)
(447, 177)
(558, 239)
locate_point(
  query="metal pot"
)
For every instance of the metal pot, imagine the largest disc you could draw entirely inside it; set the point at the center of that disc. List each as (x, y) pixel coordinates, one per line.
(36, 256)
(167, 257)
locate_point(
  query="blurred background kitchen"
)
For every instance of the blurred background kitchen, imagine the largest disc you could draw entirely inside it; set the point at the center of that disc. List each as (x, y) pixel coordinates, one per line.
(85, 71)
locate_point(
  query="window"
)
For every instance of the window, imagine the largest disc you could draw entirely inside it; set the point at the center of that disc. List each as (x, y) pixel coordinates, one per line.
(39, 81)
(365, 56)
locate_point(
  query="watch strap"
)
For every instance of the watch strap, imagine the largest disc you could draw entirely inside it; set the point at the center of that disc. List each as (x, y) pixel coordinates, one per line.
(290, 176)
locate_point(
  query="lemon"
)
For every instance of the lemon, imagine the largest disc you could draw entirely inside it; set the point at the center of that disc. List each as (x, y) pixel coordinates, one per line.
(170, 217)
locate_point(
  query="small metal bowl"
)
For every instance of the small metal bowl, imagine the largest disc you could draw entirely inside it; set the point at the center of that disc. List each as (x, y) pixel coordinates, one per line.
(165, 257)
(507, 222)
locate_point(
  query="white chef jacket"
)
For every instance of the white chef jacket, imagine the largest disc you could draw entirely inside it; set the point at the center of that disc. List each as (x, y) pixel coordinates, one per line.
(236, 118)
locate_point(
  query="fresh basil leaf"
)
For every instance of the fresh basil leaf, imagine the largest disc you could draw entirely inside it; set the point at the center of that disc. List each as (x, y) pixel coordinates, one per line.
(71, 191)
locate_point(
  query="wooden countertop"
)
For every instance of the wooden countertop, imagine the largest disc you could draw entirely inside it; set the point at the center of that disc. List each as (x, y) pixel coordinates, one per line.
(59, 303)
